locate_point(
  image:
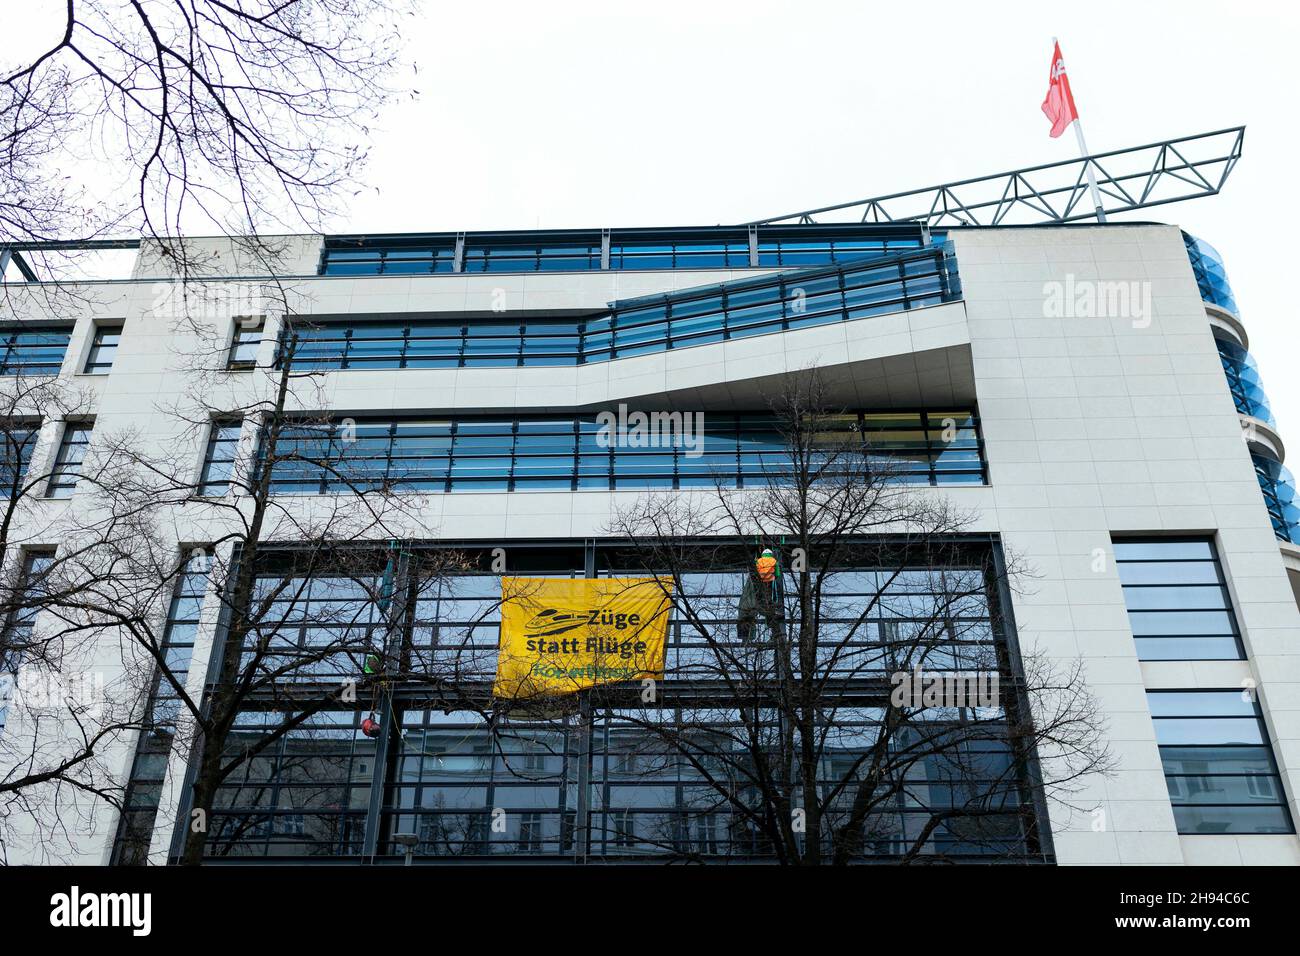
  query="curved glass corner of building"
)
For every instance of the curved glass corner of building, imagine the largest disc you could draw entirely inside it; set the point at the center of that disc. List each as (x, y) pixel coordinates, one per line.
(1211, 276)
(1244, 381)
(1279, 488)
(1247, 388)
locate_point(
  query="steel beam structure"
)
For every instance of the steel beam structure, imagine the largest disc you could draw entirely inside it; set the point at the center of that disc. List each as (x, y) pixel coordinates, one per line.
(1134, 178)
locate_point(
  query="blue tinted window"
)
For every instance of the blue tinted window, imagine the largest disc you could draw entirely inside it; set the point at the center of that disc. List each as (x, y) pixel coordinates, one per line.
(1177, 598)
(1244, 381)
(1211, 276)
(533, 452)
(425, 259)
(219, 458)
(782, 247)
(67, 464)
(684, 319)
(1219, 767)
(725, 249)
(802, 249)
(135, 828)
(33, 351)
(17, 440)
(530, 258)
(1279, 488)
(777, 303)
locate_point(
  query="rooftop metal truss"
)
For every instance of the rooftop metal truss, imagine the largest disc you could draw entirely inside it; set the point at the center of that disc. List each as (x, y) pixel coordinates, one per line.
(1133, 178)
(32, 258)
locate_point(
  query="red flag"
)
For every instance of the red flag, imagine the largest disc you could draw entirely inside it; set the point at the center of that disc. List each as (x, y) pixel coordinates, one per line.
(1059, 105)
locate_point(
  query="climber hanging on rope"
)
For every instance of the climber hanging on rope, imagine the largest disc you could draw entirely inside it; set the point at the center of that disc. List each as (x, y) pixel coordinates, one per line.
(763, 594)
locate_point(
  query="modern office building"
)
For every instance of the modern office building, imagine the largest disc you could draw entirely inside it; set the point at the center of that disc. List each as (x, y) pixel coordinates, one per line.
(1105, 423)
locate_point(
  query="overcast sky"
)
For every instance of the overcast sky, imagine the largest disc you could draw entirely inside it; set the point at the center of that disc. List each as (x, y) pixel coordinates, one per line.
(572, 114)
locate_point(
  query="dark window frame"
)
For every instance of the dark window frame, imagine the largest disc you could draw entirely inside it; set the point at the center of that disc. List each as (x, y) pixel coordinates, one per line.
(95, 364)
(1173, 749)
(1133, 589)
(451, 767)
(19, 622)
(840, 292)
(153, 747)
(66, 470)
(510, 453)
(247, 338)
(208, 486)
(13, 474)
(22, 349)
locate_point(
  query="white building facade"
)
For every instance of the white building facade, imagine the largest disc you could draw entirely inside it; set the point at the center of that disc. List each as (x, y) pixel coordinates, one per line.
(1121, 448)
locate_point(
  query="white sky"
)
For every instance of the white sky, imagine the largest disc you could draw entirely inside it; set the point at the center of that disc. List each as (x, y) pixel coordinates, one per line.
(576, 114)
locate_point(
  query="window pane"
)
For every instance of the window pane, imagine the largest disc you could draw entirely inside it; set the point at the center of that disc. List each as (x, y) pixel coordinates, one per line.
(1233, 820)
(912, 276)
(33, 351)
(1179, 607)
(67, 464)
(1218, 763)
(103, 350)
(537, 452)
(219, 460)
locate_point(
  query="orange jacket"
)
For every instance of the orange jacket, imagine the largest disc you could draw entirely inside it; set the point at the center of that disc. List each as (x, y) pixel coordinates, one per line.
(766, 568)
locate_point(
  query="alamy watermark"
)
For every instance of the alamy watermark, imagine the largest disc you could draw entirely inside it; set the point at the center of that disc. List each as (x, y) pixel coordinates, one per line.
(1095, 299)
(628, 429)
(32, 691)
(918, 688)
(73, 909)
(209, 300)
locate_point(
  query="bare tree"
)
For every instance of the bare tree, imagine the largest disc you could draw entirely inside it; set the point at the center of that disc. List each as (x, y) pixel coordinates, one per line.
(67, 702)
(243, 116)
(233, 116)
(861, 694)
(306, 584)
(27, 401)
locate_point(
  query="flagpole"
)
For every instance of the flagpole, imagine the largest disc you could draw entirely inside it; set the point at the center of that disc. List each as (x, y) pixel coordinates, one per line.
(1083, 151)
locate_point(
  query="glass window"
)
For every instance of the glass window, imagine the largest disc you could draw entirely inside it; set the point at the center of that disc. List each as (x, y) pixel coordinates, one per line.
(307, 793)
(244, 346)
(103, 349)
(641, 326)
(772, 304)
(787, 247)
(67, 464)
(21, 619)
(1244, 381)
(135, 828)
(723, 250)
(421, 258)
(1278, 487)
(509, 257)
(219, 459)
(1177, 598)
(33, 351)
(1211, 276)
(545, 452)
(1219, 767)
(804, 246)
(17, 440)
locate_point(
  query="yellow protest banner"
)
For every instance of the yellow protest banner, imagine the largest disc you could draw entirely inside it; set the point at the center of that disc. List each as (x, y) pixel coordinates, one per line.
(560, 635)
